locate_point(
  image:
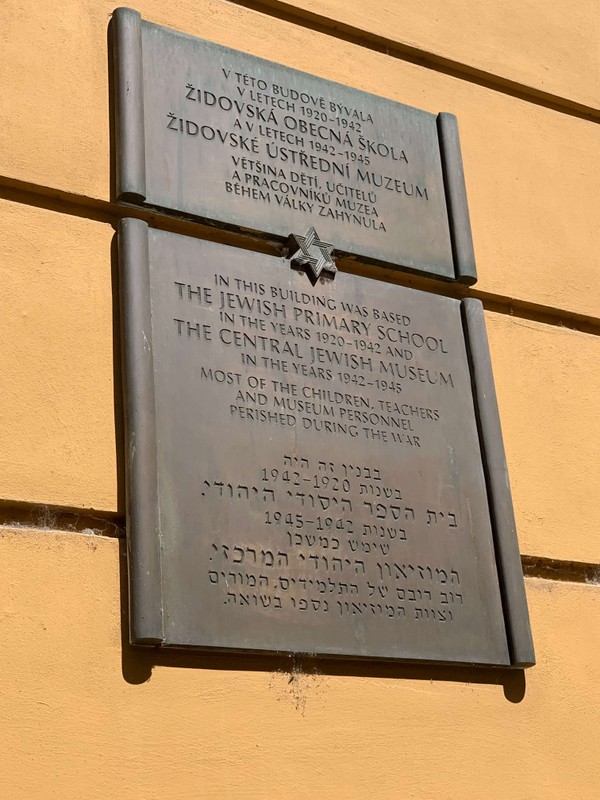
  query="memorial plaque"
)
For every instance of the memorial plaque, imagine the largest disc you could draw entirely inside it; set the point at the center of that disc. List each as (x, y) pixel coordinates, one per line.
(237, 141)
(315, 466)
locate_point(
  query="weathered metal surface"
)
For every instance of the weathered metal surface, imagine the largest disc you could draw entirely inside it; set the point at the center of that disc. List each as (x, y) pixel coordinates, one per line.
(238, 141)
(320, 479)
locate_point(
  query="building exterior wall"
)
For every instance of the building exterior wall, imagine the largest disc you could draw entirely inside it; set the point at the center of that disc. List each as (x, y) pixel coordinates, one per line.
(84, 715)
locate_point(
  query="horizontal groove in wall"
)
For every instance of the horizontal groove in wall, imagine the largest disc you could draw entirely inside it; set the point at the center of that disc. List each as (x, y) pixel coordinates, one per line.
(554, 570)
(108, 212)
(58, 519)
(50, 518)
(423, 58)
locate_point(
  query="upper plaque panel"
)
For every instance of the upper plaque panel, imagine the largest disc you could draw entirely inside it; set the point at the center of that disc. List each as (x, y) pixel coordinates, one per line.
(306, 469)
(242, 142)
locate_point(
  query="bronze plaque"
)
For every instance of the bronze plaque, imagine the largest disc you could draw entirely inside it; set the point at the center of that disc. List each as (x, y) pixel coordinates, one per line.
(230, 139)
(305, 467)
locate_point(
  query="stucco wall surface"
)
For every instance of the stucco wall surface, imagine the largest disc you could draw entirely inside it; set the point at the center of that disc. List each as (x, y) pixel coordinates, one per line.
(554, 51)
(57, 405)
(551, 47)
(532, 172)
(88, 719)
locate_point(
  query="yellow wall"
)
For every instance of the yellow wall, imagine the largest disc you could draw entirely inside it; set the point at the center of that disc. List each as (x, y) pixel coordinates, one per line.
(551, 52)
(90, 719)
(84, 715)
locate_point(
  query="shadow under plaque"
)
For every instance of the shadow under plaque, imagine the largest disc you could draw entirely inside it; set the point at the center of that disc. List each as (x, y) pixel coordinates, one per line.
(312, 469)
(235, 141)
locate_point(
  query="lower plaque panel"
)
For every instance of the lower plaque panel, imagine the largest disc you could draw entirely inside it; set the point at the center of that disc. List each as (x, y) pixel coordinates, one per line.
(304, 461)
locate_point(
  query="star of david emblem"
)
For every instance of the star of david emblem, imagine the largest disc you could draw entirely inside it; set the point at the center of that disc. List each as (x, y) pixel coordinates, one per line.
(310, 253)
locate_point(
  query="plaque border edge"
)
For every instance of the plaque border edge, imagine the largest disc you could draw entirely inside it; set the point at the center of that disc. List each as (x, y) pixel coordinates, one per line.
(506, 546)
(459, 223)
(146, 624)
(126, 32)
